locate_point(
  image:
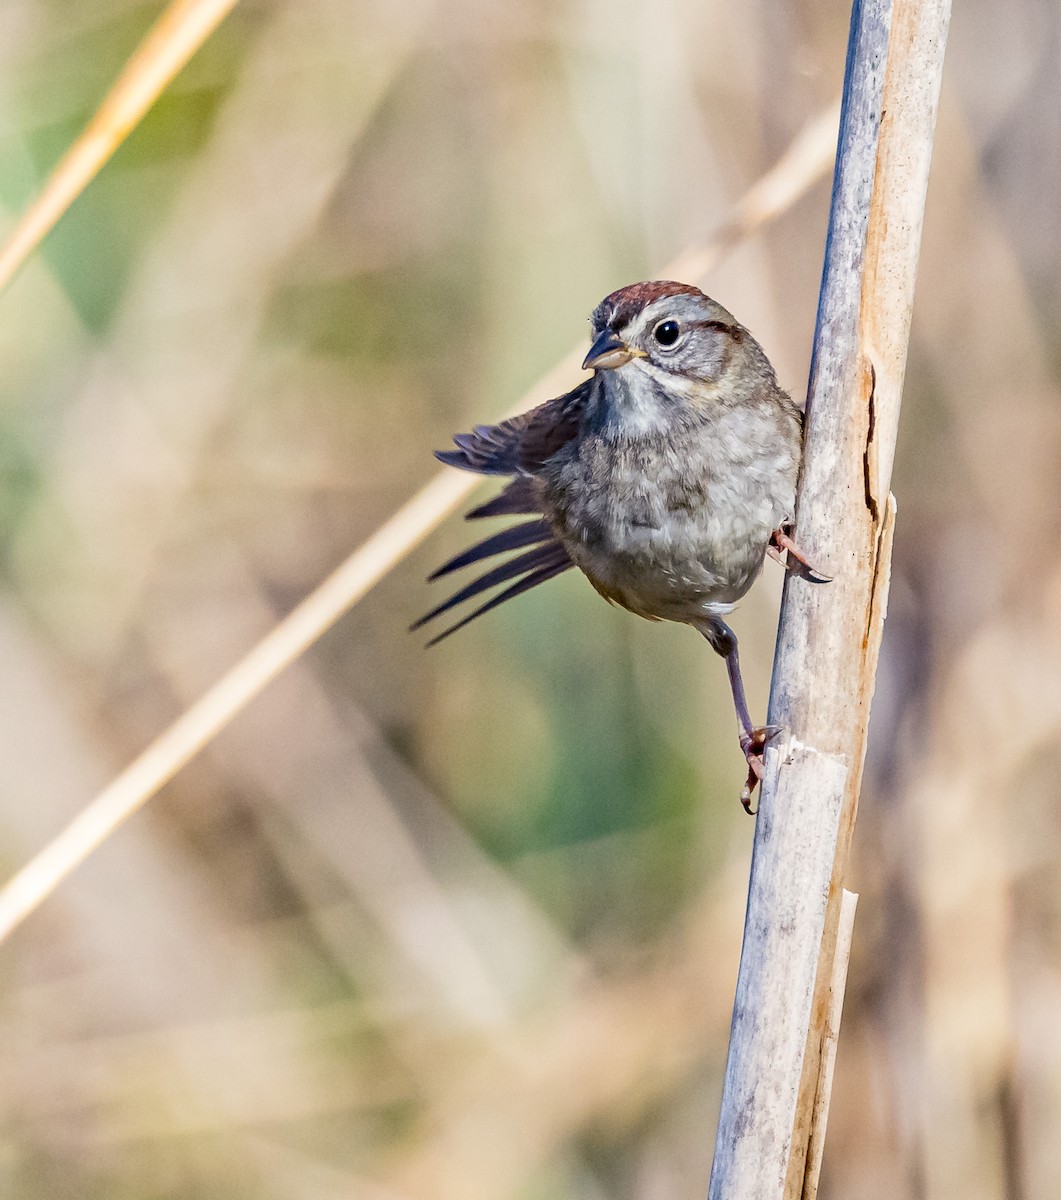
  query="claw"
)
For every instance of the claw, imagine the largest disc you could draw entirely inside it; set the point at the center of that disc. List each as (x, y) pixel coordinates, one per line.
(746, 793)
(781, 543)
(753, 743)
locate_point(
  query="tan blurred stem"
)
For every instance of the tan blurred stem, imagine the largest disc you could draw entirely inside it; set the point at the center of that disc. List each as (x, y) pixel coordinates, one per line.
(805, 161)
(772, 1104)
(163, 53)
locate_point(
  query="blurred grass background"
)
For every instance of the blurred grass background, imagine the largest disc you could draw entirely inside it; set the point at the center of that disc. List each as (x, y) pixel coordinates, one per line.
(466, 923)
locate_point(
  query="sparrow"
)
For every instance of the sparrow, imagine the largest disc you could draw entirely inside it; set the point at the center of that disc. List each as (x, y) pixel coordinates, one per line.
(665, 478)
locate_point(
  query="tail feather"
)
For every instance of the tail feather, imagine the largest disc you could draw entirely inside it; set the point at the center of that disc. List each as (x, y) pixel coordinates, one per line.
(512, 538)
(541, 557)
(517, 447)
(549, 571)
(518, 498)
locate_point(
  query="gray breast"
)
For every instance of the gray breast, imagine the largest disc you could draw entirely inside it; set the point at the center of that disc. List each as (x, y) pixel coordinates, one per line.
(656, 526)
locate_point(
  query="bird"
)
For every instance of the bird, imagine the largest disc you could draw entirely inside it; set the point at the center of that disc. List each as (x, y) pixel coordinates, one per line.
(666, 478)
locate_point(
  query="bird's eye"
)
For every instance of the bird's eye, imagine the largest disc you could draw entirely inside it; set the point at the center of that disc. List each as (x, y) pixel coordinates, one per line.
(666, 332)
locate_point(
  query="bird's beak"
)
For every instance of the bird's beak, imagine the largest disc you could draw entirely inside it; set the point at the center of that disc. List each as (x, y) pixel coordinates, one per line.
(608, 352)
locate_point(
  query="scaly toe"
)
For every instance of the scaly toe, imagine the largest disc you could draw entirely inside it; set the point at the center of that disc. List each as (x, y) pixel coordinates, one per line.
(754, 740)
(753, 743)
(795, 559)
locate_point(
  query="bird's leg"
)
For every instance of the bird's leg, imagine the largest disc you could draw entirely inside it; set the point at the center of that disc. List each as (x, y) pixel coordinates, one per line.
(753, 738)
(781, 543)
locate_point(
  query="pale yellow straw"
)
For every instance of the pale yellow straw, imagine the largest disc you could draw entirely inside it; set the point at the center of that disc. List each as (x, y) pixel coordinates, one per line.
(168, 46)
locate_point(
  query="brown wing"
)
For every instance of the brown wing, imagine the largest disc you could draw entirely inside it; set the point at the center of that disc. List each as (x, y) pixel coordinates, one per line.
(521, 444)
(518, 446)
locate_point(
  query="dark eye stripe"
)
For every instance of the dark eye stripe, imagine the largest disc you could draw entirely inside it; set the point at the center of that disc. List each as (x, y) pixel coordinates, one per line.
(733, 330)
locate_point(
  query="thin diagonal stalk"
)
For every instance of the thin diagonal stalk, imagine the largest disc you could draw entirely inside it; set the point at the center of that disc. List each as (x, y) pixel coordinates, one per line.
(162, 55)
(806, 161)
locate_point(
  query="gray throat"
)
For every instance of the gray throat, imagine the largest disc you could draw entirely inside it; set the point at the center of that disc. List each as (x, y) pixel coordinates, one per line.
(628, 403)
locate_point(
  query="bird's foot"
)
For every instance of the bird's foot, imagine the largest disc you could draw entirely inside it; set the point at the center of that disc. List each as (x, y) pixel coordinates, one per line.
(753, 743)
(794, 559)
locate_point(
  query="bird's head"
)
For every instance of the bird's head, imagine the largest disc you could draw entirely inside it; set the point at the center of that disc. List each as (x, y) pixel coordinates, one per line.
(681, 339)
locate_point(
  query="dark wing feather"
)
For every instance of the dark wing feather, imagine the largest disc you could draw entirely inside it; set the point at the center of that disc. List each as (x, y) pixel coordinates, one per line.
(521, 444)
(519, 447)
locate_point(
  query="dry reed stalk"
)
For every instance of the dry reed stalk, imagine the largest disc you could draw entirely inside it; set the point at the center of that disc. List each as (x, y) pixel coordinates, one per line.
(773, 1098)
(830, 1041)
(162, 55)
(805, 161)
